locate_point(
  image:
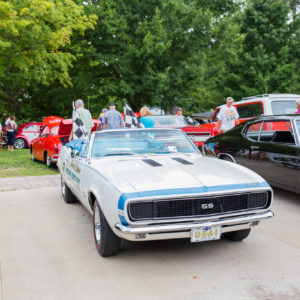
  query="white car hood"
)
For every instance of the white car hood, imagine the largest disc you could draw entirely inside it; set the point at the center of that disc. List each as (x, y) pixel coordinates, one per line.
(133, 174)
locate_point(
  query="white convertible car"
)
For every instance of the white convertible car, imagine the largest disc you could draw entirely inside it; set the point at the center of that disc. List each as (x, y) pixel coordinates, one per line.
(152, 184)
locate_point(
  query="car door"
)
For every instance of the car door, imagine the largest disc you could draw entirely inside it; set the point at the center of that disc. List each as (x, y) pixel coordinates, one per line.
(40, 143)
(30, 132)
(75, 167)
(275, 156)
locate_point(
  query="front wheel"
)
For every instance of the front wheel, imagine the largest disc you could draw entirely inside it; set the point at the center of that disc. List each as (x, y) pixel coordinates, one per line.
(20, 143)
(48, 160)
(237, 235)
(32, 157)
(67, 194)
(107, 243)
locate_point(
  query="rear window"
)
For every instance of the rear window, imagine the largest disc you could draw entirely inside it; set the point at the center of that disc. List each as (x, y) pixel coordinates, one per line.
(283, 107)
(250, 110)
(253, 131)
(277, 132)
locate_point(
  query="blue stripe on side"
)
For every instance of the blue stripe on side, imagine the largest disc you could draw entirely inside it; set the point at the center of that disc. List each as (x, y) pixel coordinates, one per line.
(97, 172)
(182, 191)
(123, 220)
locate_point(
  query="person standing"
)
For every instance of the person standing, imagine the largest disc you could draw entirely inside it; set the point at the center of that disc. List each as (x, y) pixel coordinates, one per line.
(227, 116)
(298, 107)
(112, 119)
(147, 120)
(101, 117)
(7, 120)
(10, 130)
(179, 112)
(85, 116)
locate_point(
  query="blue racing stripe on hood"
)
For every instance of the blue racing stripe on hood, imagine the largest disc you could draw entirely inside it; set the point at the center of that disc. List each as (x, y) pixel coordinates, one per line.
(182, 191)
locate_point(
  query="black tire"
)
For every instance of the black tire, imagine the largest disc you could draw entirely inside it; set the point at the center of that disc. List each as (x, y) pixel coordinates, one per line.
(67, 194)
(237, 235)
(32, 157)
(48, 160)
(20, 143)
(107, 243)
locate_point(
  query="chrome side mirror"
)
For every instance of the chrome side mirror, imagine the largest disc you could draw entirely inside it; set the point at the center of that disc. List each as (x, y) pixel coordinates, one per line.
(74, 153)
(226, 156)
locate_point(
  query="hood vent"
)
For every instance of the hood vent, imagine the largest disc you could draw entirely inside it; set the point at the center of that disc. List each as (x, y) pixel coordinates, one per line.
(152, 163)
(182, 161)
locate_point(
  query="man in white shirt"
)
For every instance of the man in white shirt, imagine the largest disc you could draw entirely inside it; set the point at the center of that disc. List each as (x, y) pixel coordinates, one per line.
(227, 116)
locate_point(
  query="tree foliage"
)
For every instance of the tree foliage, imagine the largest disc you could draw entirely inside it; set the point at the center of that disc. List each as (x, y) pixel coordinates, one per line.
(188, 53)
(33, 34)
(269, 61)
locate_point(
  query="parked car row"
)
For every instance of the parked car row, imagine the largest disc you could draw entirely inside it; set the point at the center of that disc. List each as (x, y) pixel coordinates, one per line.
(54, 134)
(252, 107)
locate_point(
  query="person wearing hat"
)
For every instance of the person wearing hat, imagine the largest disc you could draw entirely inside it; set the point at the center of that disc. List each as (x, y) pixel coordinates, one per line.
(227, 116)
(179, 112)
(112, 119)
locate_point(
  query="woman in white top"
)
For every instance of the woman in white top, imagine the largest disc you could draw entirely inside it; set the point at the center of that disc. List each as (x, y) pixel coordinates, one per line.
(11, 126)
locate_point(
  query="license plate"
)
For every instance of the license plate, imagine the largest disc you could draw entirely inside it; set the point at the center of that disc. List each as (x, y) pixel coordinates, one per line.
(206, 234)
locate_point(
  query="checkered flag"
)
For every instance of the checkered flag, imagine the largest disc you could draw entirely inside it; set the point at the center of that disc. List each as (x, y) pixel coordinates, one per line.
(79, 131)
(131, 120)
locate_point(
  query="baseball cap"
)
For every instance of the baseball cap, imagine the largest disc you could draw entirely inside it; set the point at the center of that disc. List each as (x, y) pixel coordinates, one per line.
(230, 99)
(112, 104)
(179, 108)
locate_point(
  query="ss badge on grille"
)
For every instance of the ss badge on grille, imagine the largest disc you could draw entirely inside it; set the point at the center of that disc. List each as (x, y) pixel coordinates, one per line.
(207, 205)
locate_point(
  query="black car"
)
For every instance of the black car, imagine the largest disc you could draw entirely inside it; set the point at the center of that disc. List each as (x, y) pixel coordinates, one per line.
(268, 145)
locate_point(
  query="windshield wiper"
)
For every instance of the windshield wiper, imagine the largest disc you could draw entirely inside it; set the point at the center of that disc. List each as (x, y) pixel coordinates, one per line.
(119, 153)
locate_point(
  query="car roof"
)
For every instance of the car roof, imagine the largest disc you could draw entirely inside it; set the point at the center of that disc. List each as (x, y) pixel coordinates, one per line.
(266, 97)
(138, 129)
(161, 116)
(277, 117)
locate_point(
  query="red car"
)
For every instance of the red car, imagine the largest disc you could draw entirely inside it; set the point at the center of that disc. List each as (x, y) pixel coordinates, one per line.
(198, 136)
(54, 135)
(26, 133)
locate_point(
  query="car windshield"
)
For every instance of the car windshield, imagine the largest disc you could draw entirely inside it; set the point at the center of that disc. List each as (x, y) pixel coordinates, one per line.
(161, 121)
(54, 131)
(283, 107)
(141, 141)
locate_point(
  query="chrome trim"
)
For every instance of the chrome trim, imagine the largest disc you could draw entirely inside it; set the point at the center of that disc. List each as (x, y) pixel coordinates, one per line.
(187, 226)
(193, 196)
(230, 156)
(200, 216)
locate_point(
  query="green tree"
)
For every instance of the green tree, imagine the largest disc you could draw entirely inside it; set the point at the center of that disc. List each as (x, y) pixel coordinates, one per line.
(268, 62)
(156, 52)
(33, 37)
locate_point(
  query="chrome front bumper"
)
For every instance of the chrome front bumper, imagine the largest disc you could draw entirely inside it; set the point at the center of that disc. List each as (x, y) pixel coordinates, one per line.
(228, 224)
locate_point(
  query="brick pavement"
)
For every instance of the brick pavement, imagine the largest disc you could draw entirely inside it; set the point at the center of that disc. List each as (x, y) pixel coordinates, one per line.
(28, 182)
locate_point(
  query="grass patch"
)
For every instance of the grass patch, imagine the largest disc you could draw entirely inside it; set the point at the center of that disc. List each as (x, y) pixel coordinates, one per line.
(18, 163)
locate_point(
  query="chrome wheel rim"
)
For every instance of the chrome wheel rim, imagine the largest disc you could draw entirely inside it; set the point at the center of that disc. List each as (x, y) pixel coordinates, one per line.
(32, 157)
(19, 144)
(97, 226)
(63, 188)
(48, 162)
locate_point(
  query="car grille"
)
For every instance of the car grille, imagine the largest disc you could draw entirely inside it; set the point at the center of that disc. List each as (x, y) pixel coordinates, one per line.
(196, 207)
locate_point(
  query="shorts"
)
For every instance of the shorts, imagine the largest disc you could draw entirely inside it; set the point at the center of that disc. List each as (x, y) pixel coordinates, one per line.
(11, 138)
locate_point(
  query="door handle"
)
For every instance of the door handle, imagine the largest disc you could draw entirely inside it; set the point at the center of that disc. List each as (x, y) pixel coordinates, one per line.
(254, 148)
